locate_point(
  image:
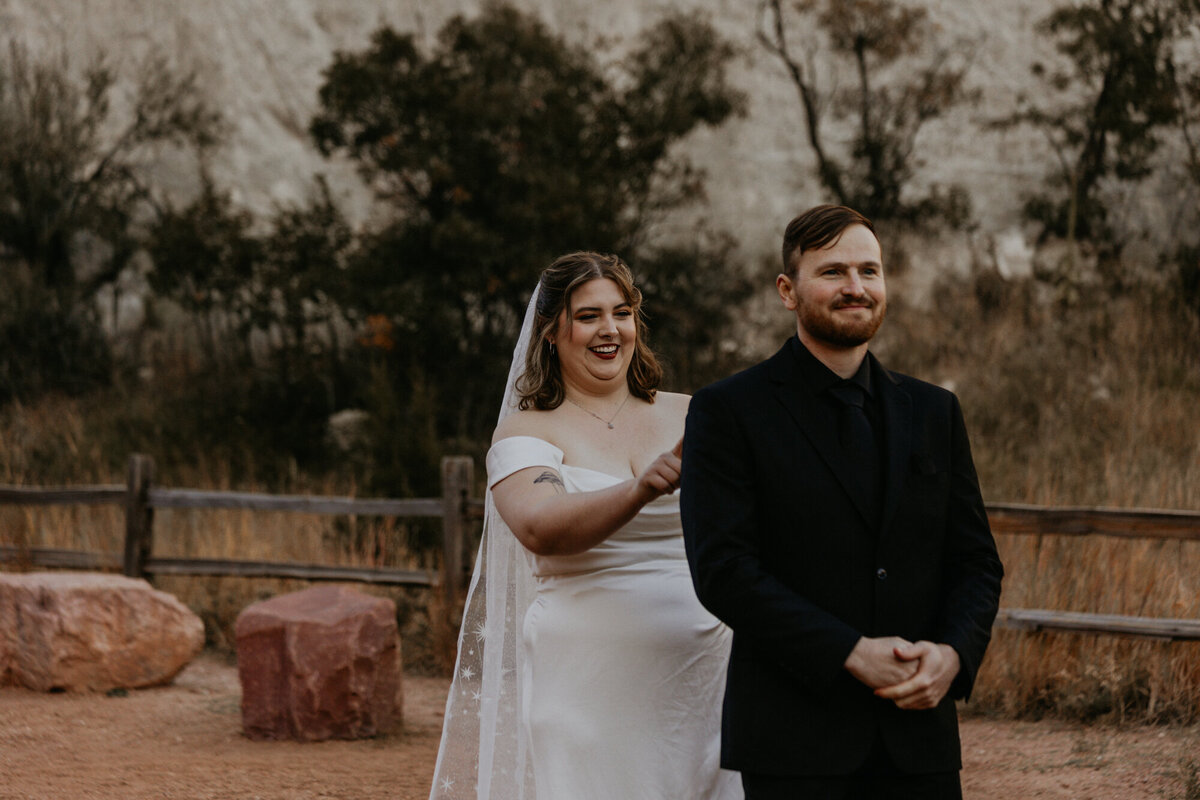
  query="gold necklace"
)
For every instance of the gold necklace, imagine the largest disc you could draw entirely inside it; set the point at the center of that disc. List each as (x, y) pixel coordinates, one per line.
(609, 421)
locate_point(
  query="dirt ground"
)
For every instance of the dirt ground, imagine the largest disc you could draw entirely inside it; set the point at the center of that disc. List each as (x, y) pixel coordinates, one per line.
(185, 741)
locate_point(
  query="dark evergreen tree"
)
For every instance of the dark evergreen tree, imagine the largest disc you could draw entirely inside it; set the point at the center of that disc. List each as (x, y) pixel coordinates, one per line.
(73, 192)
(500, 149)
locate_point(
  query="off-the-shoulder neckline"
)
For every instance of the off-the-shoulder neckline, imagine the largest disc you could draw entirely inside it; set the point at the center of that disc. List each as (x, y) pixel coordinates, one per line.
(561, 455)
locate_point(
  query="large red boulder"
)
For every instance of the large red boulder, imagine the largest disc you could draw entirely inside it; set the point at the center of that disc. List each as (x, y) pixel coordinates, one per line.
(323, 663)
(87, 631)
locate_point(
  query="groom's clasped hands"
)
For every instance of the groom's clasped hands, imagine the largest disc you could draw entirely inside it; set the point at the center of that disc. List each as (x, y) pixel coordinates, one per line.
(912, 675)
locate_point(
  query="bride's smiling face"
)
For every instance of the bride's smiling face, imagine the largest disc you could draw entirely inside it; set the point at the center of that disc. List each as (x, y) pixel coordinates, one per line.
(596, 336)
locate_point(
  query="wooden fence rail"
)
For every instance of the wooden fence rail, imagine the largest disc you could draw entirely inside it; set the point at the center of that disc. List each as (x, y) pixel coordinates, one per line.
(1078, 521)
(459, 511)
(1015, 518)
(1034, 619)
(140, 498)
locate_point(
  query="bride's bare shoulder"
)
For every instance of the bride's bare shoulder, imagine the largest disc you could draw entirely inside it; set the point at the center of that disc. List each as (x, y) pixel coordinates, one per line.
(529, 422)
(672, 403)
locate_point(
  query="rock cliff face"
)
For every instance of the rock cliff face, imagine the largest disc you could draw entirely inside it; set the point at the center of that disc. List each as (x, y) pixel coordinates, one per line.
(261, 62)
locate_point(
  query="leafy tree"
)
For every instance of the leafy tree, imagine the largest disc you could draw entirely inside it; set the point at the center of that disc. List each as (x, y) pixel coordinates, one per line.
(1186, 257)
(66, 170)
(42, 348)
(1107, 106)
(1189, 120)
(259, 293)
(72, 195)
(211, 259)
(205, 256)
(305, 256)
(875, 174)
(687, 314)
(502, 148)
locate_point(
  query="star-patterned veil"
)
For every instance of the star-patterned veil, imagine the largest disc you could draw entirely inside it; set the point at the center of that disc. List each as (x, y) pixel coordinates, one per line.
(483, 754)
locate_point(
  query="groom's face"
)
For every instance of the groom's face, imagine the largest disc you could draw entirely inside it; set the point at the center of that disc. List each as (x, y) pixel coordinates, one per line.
(838, 292)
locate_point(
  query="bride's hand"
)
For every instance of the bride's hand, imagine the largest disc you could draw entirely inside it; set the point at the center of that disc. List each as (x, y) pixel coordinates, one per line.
(662, 476)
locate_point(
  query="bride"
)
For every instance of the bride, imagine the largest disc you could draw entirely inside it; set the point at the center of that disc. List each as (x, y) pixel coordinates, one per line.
(587, 668)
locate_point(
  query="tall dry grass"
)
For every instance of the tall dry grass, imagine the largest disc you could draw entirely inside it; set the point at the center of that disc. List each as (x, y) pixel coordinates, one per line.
(52, 441)
(1080, 400)
(1076, 399)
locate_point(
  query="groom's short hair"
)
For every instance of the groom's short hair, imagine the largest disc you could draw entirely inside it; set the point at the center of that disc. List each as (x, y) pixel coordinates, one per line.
(816, 228)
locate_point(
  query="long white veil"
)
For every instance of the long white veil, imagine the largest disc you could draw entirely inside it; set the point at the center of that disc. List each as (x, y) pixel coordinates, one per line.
(482, 754)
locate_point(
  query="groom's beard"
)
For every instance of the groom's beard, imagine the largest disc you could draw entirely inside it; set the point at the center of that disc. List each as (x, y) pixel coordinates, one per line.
(823, 325)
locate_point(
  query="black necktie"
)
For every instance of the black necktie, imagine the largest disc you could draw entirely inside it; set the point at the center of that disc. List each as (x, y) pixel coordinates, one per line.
(858, 440)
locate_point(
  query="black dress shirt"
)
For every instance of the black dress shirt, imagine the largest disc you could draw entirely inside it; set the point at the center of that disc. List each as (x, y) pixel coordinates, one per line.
(822, 379)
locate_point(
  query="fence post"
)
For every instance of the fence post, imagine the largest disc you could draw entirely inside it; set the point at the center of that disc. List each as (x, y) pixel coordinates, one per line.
(139, 516)
(457, 477)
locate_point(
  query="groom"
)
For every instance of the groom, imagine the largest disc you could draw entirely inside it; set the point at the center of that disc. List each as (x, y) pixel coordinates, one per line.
(833, 520)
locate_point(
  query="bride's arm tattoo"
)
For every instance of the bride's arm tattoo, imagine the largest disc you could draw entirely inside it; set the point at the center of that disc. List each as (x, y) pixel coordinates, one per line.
(553, 479)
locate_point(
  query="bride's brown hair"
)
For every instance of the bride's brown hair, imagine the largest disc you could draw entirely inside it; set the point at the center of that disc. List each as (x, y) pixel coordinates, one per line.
(541, 385)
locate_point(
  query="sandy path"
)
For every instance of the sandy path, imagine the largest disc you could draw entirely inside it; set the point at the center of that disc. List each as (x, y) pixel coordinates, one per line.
(184, 741)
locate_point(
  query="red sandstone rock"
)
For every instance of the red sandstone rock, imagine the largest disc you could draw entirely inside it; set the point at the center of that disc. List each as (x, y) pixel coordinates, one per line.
(86, 631)
(323, 663)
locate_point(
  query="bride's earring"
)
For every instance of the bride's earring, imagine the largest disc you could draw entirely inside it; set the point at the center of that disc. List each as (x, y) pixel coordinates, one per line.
(551, 348)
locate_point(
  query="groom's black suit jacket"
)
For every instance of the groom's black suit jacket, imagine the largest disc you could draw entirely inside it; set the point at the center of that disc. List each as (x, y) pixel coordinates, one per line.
(782, 551)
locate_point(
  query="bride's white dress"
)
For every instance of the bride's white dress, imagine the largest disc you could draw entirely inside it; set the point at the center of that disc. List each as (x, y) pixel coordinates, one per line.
(624, 669)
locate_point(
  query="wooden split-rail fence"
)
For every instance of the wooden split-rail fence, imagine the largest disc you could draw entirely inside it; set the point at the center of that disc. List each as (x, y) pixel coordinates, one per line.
(460, 512)
(456, 507)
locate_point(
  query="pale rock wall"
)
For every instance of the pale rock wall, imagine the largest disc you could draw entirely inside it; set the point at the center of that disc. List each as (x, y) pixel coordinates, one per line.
(261, 61)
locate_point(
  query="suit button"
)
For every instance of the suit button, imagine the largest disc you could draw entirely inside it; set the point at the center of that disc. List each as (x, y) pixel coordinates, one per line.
(881, 573)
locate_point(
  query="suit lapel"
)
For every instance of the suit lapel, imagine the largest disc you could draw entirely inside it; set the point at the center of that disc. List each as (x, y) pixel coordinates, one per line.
(816, 421)
(897, 423)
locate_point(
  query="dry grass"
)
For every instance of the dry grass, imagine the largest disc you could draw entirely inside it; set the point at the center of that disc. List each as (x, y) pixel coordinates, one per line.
(59, 428)
(1189, 773)
(250, 536)
(1076, 403)
(1067, 403)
